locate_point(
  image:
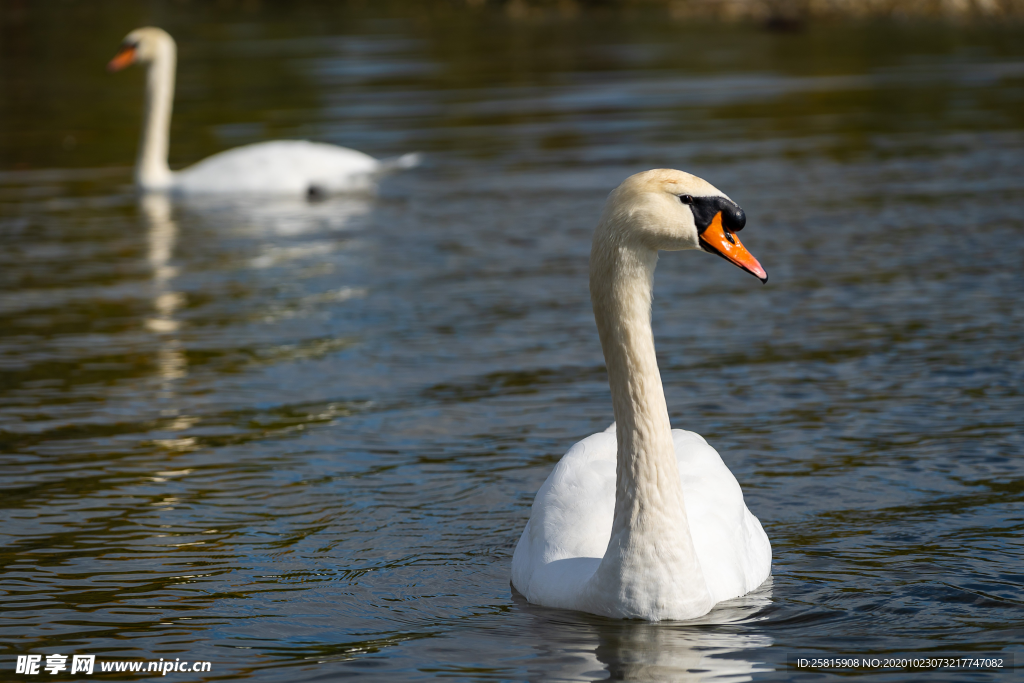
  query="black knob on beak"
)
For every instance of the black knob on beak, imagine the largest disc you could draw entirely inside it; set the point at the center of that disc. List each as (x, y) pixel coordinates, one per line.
(706, 208)
(733, 217)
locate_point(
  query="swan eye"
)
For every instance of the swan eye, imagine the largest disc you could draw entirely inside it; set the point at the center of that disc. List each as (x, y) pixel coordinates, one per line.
(686, 199)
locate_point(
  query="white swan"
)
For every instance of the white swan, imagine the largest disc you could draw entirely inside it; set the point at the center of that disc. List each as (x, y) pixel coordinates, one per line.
(293, 167)
(644, 521)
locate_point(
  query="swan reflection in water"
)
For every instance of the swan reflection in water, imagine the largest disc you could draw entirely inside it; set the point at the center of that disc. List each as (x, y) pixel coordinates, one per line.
(162, 235)
(290, 233)
(277, 240)
(574, 646)
(278, 216)
(290, 245)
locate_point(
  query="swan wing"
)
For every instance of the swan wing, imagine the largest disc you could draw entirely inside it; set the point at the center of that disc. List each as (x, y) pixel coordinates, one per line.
(294, 167)
(733, 549)
(570, 524)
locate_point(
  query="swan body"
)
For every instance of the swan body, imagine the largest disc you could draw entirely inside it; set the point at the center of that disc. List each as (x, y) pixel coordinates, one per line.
(571, 524)
(282, 167)
(643, 521)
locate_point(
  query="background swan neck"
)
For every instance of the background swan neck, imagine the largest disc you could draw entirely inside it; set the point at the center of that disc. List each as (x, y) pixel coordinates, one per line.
(151, 169)
(650, 552)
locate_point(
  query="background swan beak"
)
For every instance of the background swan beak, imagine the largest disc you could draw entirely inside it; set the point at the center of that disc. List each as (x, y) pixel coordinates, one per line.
(124, 57)
(718, 240)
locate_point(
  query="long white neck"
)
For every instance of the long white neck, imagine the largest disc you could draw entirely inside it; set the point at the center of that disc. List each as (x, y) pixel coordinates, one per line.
(650, 561)
(151, 170)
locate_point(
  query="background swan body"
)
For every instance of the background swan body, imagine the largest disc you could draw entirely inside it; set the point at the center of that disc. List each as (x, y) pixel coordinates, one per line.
(643, 521)
(283, 167)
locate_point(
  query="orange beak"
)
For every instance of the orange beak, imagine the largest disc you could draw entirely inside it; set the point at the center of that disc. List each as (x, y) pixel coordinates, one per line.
(719, 240)
(124, 57)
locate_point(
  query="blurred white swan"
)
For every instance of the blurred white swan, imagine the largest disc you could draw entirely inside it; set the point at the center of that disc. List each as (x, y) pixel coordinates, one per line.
(643, 521)
(295, 167)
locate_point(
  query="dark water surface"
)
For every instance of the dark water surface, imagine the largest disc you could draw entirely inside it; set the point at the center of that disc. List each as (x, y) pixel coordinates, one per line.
(300, 440)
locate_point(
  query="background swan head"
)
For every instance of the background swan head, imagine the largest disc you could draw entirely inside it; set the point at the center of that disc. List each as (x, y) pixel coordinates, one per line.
(143, 45)
(665, 209)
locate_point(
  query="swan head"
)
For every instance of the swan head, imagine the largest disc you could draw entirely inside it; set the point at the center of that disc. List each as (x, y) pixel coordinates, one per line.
(142, 46)
(665, 209)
